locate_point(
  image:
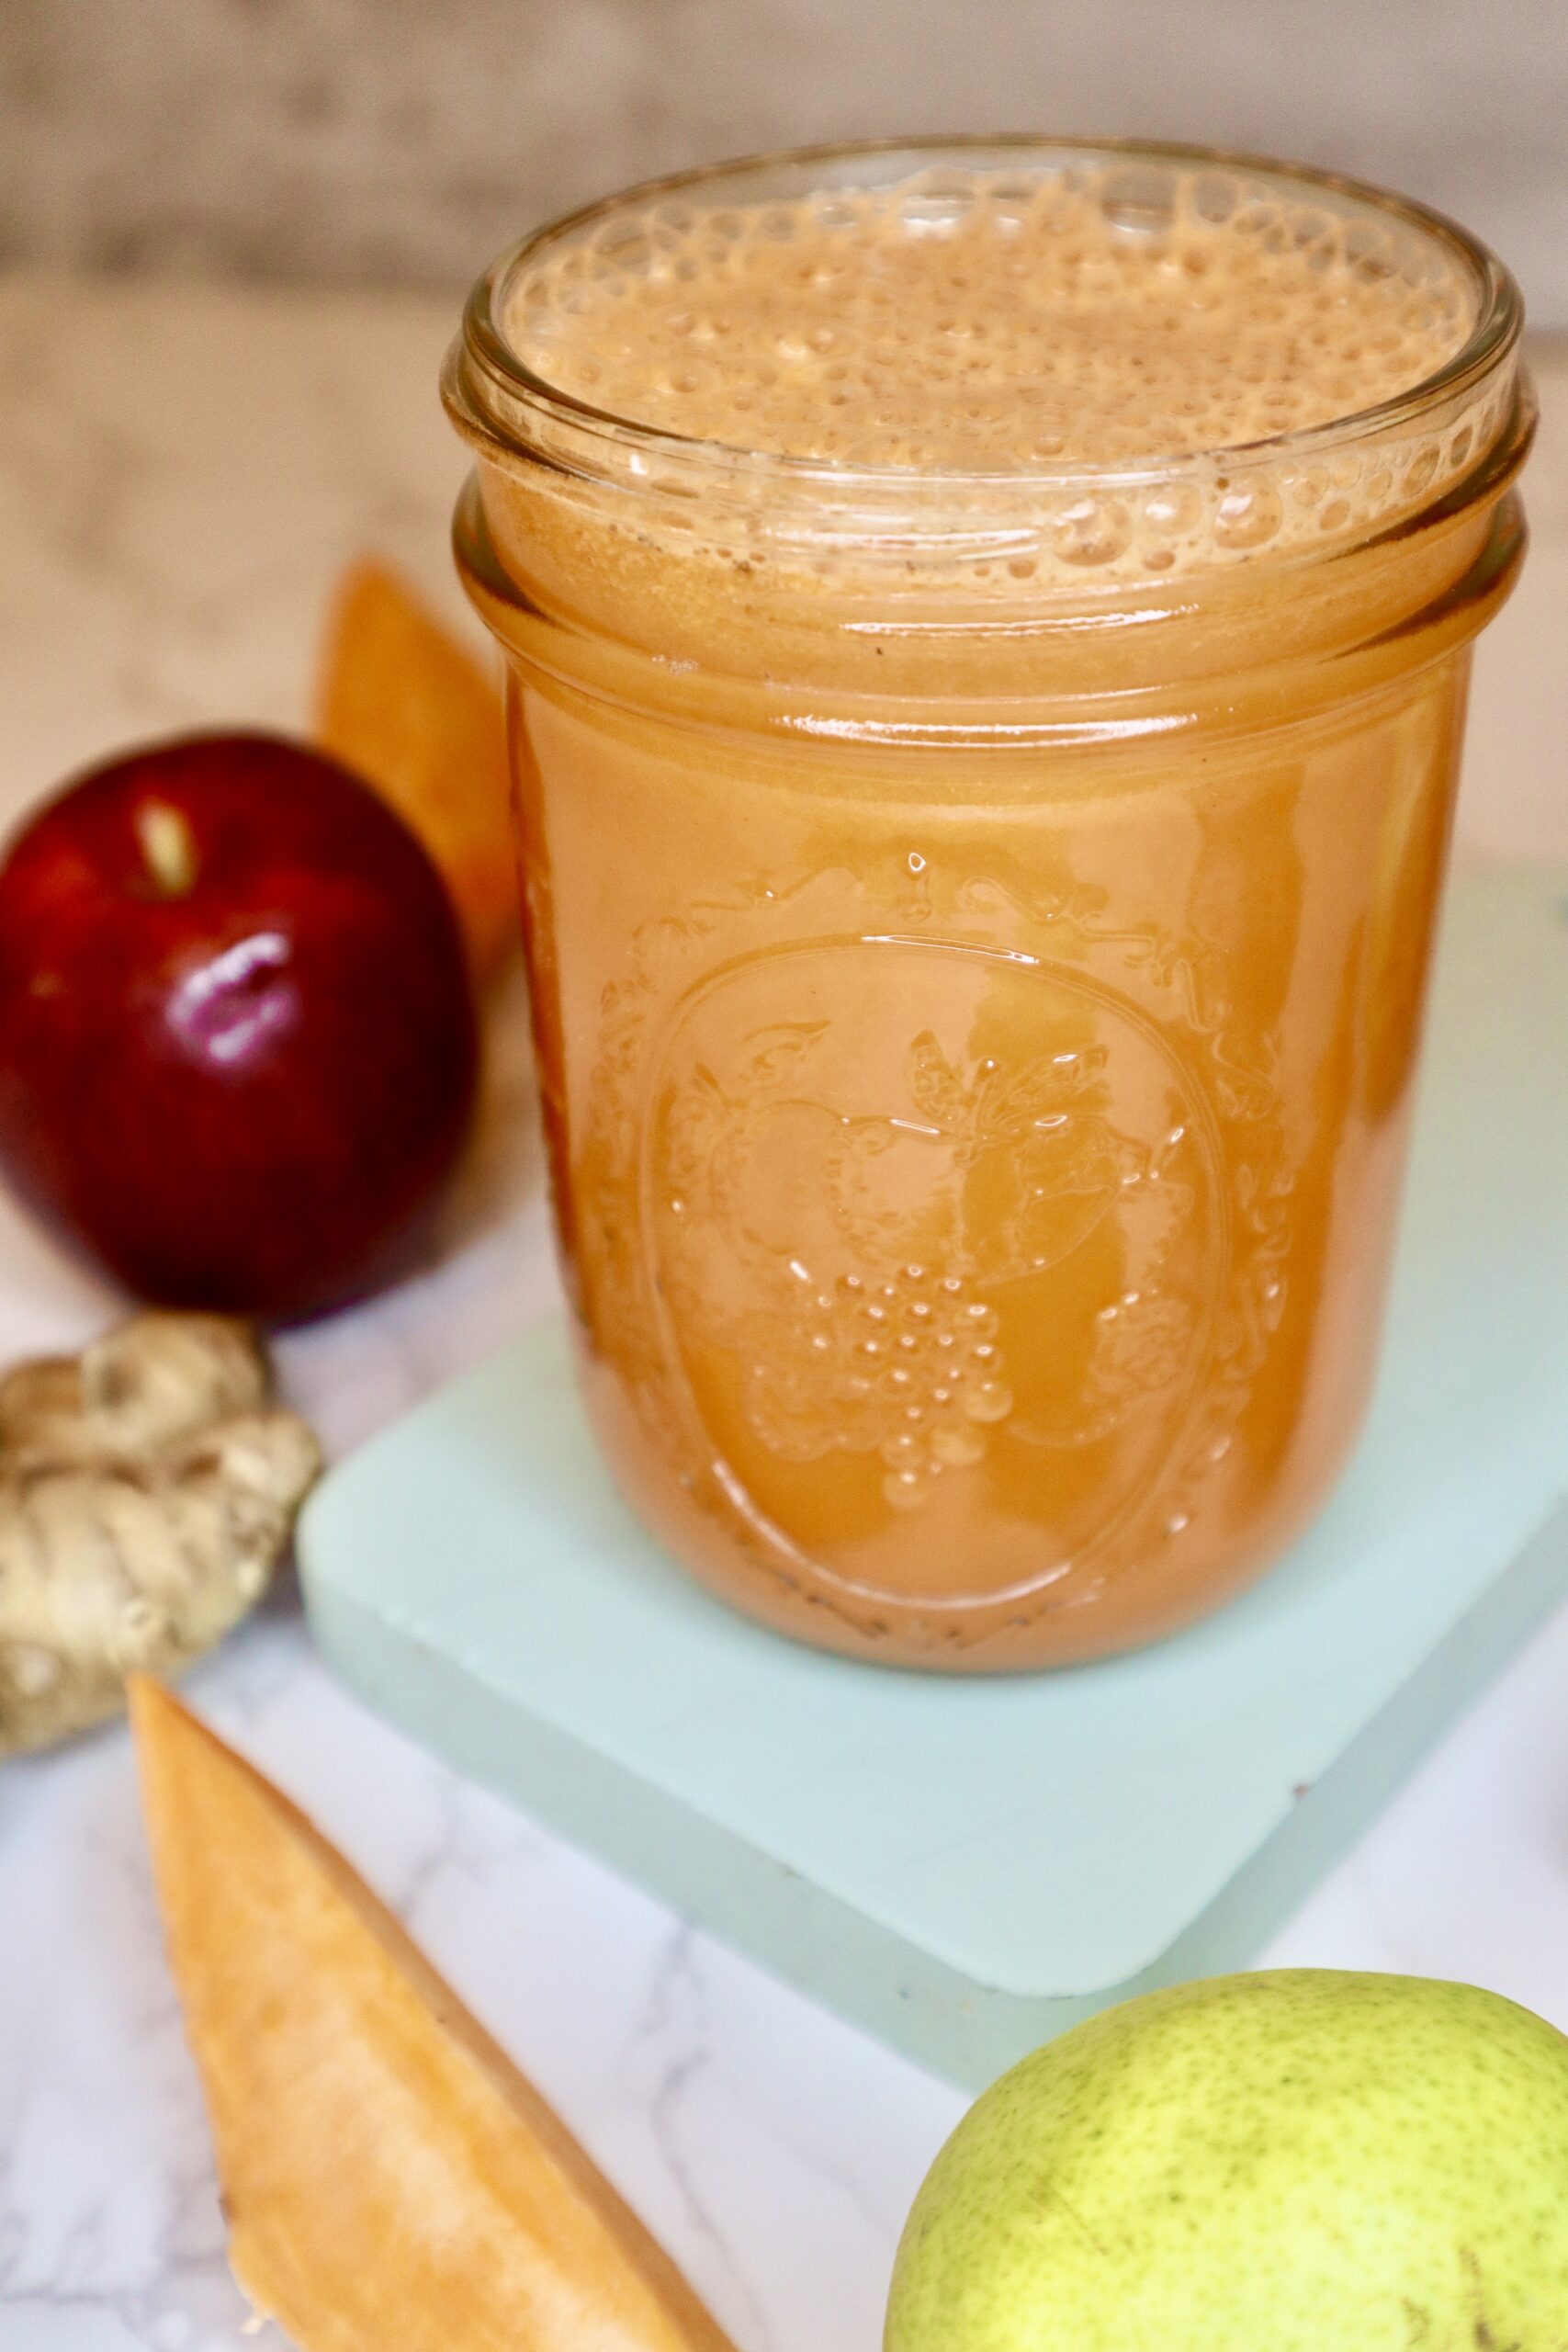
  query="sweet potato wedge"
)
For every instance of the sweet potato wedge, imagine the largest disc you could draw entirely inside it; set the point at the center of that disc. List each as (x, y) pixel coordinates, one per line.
(404, 705)
(391, 2179)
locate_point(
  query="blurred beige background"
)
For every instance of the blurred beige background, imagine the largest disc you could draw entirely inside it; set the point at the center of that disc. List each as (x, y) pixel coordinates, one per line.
(404, 141)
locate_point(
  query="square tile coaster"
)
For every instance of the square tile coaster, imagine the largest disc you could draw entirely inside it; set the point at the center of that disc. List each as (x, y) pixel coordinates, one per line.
(966, 1867)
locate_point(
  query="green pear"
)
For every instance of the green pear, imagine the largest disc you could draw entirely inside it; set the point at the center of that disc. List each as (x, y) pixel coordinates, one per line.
(1293, 2162)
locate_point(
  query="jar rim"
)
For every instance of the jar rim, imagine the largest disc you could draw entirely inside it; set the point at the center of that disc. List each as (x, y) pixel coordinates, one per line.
(1441, 439)
(1495, 331)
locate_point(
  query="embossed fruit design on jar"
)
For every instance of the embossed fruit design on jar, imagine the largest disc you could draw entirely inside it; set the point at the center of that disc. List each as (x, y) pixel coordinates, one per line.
(979, 875)
(878, 1277)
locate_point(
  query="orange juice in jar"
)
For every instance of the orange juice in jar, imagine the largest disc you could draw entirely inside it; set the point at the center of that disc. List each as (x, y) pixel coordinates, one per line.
(988, 629)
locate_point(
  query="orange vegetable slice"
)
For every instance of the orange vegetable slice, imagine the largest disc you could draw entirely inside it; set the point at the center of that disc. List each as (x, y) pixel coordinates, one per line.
(391, 2179)
(404, 705)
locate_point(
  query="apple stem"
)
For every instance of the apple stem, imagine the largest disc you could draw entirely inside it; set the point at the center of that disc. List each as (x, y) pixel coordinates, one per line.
(168, 848)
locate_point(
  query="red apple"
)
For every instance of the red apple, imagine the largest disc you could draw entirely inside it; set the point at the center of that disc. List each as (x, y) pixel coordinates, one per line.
(237, 1047)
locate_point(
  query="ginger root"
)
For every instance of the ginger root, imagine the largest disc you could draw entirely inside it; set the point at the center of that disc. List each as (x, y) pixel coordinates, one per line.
(147, 1491)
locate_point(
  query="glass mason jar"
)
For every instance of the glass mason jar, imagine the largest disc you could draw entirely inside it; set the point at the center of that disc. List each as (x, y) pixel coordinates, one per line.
(978, 924)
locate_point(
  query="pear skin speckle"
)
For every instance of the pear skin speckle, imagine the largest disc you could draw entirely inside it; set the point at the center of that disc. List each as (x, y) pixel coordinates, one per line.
(1302, 2161)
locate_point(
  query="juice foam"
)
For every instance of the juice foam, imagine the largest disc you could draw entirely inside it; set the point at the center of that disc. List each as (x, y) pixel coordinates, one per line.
(991, 321)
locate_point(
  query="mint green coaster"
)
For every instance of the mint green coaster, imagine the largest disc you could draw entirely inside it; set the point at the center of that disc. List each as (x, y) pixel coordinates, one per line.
(967, 1867)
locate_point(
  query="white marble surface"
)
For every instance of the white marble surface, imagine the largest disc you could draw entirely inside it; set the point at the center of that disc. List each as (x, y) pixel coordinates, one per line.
(179, 474)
